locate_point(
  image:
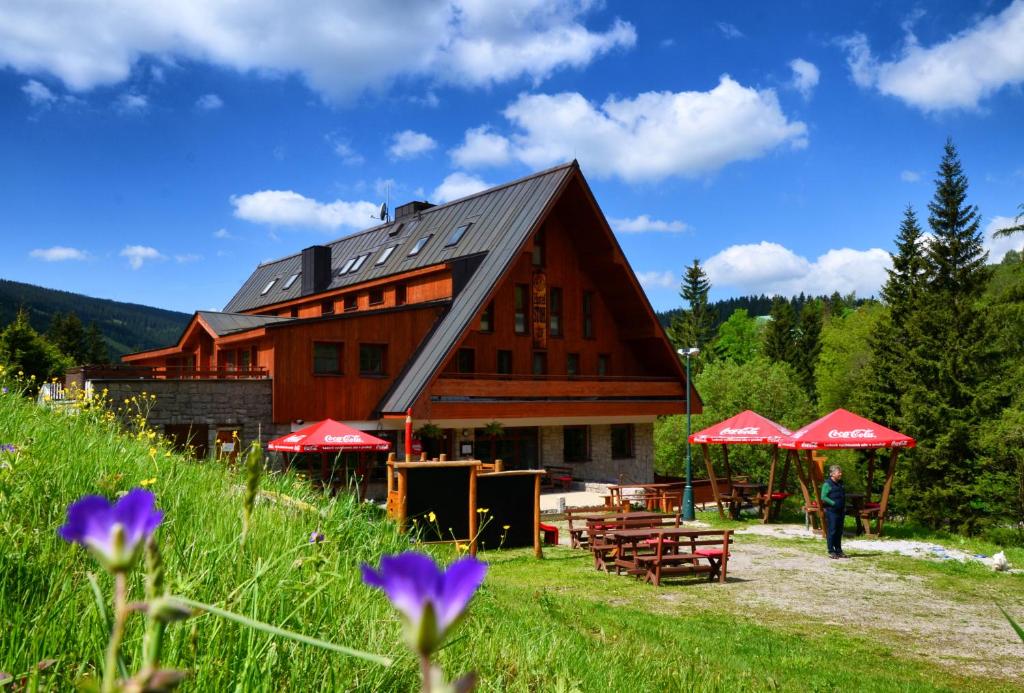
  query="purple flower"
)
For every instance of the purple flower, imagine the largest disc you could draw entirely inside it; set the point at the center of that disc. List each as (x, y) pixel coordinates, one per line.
(7, 447)
(316, 537)
(430, 601)
(114, 533)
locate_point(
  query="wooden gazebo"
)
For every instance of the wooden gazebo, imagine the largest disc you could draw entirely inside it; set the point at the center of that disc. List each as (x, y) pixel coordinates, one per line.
(746, 428)
(845, 430)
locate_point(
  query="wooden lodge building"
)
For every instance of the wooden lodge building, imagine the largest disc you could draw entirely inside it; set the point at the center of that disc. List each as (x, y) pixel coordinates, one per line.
(514, 305)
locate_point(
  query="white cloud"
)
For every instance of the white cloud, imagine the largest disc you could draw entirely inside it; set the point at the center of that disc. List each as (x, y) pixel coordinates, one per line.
(131, 103)
(998, 247)
(458, 185)
(957, 73)
(187, 257)
(908, 176)
(805, 76)
(770, 268)
(222, 234)
(655, 279)
(481, 147)
(209, 102)
(655, 134)
(644, 224)
(408, 144)
(338, 49)
(38, 94)
(288, 208)
(59, 253)
(138, 254)
(344, 150)
(729, 30)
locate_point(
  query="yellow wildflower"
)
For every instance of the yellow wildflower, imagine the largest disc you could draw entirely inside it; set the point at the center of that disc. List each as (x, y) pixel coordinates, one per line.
(506, 527)
(483, 511)
(147, 482)
(462, 548)
(432, 517)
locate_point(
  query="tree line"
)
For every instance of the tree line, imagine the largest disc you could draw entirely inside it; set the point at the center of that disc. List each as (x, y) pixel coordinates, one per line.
(939, 357)
(66, 343)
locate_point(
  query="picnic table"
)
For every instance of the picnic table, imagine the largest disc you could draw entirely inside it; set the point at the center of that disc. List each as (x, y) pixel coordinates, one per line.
(651, 552)
(599, 527)
(744, 494)
(654, 496)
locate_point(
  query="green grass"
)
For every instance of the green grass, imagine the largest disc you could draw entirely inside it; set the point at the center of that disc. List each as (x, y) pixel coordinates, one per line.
(545, 625)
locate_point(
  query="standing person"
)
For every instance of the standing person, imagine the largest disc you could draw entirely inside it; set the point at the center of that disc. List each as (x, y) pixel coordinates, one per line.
(833, 496)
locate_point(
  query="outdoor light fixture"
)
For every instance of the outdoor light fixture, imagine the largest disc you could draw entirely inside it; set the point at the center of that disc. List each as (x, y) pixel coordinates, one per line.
(688, 513)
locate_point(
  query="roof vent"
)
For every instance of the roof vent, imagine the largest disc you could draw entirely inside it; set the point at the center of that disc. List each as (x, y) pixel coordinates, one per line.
(410, 208)
(316, 269)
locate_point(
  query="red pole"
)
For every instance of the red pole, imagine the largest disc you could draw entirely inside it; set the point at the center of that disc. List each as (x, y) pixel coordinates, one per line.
(408, 435)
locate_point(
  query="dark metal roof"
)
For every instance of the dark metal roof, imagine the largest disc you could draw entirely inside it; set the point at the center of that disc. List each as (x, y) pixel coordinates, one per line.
(508, 214)
(228, 323)
(500, 216)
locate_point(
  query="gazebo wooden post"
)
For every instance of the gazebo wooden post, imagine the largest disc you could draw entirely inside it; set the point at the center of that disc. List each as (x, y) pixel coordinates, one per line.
(537, 551)
(391, 473)
(801, 477)
(812, 466)
(712, 478)
(871, 475)
(473, 515)
(403, 490)
(771, 485)
(884, 503)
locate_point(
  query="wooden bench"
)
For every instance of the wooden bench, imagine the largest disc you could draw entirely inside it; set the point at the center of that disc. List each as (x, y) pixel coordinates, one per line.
(684, 555)
(606, 549)
(556, 475)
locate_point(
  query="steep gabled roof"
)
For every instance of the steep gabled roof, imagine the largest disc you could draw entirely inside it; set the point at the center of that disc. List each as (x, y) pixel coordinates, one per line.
(512, 223)
(498, 214)
(224, 324)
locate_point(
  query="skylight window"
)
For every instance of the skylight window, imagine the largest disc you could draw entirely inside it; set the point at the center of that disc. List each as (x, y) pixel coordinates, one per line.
(359, 263)
(385, 254)
(347, 266)
(419, 245)
(291, 280)
(457, 235)
(269, 286)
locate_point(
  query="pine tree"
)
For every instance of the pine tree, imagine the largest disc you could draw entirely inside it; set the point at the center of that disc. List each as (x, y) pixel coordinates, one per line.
(96, 351)
(780, 335)
(807, 346)
(23, 349)
(695, 325)
(901, 289)
(68, 335)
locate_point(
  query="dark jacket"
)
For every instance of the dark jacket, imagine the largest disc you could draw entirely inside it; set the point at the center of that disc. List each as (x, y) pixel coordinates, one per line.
(833, 495)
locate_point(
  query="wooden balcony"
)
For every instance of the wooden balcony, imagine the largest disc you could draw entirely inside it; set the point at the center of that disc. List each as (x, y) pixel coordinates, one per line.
(497, 386)
(129, 372)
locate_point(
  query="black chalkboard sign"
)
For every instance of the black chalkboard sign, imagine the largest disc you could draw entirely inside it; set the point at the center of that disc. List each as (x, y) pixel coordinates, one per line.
(508, 499)
(443, 491)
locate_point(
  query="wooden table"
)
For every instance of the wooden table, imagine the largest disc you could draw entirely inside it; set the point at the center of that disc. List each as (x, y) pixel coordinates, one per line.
(600, 526)
(674, 550)
(655, 495)
(745, 493)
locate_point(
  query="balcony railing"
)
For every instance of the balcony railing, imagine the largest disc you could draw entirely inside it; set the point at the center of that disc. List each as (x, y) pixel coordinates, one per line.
(559, 378)
(130, 372)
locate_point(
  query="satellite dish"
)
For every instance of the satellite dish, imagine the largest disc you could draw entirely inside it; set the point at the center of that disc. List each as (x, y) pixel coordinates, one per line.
(383, 214)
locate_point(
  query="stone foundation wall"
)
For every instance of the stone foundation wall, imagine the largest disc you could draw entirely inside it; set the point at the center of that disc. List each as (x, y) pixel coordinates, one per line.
(601, 467)
(245, 406)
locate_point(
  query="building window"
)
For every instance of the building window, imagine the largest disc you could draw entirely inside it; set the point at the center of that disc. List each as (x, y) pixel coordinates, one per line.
(465, 361)
(268, 287)
(400, 295)
(572, 364)
(372, 358)
(358, 263)
(540, 363)
(327, 358)
(419, 245)
(538, 250)
(504, 361)
(588, 314)
(622, 441)
(457, 235)
(294, 311)
(327, 308)
(351, 302)
(347, 266)
(376, 296)
(385, 254)
(291, 280)
(244, 359)
(520, 315)
(555, 311)
(603, 361)
(228, 359)
(576, 443)
(487, 318)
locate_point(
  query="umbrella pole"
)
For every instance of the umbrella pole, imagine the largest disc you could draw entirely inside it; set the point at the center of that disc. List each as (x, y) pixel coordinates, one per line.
(714, 481)
(885, 491)
(771, 484)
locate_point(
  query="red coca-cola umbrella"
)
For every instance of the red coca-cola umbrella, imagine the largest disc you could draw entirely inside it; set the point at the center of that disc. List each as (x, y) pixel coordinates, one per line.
(843, 429)
(746, 428)
(329, 436)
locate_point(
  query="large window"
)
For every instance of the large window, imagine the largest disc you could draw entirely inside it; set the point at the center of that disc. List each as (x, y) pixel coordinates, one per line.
(572, 364)
(537, 256)
(576, 443)
(603, 364)
(327, 358)
(520, 315)
(504, 361)
(588, 314)
(622, 441)
(465, 361)
(540, 363)
(555, 311)
(373, 359)
(487, 318)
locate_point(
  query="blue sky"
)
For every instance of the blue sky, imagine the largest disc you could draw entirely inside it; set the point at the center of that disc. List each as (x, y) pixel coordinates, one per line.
(158, 158)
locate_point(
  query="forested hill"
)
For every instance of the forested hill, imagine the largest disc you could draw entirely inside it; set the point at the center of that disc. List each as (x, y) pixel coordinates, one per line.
(758, 305)
(126, 327)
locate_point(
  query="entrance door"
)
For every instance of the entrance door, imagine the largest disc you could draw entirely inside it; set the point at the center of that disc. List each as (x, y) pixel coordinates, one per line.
(516, 448)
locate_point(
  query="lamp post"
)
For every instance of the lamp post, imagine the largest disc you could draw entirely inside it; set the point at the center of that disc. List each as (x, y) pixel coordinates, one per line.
(688, 513)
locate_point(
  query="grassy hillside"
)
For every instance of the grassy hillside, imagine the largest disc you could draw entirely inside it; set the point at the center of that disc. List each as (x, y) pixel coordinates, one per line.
(545, 625)
(126, 327)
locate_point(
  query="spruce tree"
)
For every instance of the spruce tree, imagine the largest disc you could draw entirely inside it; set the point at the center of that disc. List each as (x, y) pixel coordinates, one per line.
(807, 346)
(67, 334)
(695, 325)
(96, 351)
(25, 350)
(780, 335)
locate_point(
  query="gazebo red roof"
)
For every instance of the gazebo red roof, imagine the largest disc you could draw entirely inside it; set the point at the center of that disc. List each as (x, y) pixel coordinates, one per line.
(844, 429)
(747, 427)
(328, 436)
